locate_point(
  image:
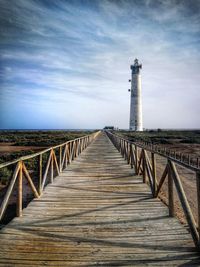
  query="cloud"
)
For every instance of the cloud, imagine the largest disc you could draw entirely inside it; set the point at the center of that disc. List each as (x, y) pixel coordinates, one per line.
(66, 52)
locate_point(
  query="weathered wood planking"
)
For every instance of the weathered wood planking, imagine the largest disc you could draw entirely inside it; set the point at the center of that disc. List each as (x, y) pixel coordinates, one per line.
(97, 213)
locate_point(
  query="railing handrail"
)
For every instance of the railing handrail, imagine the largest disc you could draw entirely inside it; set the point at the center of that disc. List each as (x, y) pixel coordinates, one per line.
(136, 155)
(5, 164)
(193, 168)
(68, 151)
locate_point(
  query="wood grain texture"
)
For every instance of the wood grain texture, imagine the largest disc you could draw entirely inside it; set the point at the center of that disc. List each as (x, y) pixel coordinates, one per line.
(97, 213)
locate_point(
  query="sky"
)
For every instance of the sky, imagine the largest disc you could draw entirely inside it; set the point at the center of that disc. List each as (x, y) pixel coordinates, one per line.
(66, 64)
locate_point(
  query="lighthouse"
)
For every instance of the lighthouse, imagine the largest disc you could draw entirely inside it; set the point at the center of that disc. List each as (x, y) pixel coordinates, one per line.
(136, 98)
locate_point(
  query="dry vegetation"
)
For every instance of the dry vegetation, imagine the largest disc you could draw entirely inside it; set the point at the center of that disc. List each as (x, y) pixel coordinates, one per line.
(164, 136)
(15, 144)
(186, 142)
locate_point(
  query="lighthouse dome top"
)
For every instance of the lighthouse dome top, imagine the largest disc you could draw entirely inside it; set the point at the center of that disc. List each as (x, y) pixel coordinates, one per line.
(136, 67)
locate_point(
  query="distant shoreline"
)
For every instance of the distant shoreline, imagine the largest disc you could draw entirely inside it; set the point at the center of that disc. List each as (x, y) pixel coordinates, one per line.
(78, 130)
(45, 130)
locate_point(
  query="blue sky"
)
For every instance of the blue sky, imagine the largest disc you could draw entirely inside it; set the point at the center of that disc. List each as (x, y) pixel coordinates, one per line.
(66, 64)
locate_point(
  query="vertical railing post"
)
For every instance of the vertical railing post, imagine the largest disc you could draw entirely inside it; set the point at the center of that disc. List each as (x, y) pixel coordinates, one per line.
(181, 157)
(198, 202)
(143, 167)
(136, 159)
(75, 148)
(128, 152)
(130, 158)
(122, 149)
(170, 192)
(40, 174)
(125, 150)
(188, 159)
(72, 150)
(88, 140)
(65, 157)
(81, 145)
(60, 158)
(153, 161)
(68, 152)
(118, 145)
(85, 143)
(69, 149)
(51, 167)
(20, 192)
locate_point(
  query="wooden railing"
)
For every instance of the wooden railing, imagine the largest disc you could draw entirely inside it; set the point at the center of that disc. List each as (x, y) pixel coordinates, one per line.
(58, 158)
(184, 158)
(137, 156)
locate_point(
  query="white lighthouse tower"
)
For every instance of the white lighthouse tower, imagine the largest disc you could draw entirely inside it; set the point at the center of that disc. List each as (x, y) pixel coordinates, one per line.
(136, 98)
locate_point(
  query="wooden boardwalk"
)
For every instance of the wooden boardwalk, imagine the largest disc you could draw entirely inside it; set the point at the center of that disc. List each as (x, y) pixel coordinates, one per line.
(97, 213)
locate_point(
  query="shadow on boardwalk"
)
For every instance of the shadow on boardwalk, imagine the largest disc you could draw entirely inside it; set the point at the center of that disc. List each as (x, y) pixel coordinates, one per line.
(97, 213)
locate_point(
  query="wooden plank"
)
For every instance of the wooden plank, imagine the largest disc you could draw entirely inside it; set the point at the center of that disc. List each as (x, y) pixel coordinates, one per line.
(97, 212)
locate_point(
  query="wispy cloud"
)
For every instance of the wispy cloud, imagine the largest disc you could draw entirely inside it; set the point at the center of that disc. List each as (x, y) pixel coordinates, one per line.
(61, 54)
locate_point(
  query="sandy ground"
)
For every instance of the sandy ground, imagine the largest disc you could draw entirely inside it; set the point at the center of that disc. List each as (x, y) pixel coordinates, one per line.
(192, 149)
(6, 148)
(188, 179)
